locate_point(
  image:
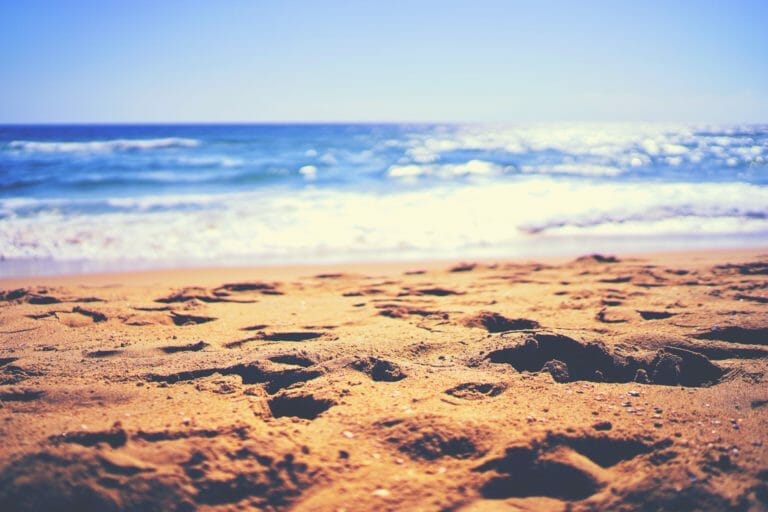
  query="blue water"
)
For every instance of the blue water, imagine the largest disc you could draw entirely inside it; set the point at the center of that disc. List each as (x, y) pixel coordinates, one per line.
(109, 197)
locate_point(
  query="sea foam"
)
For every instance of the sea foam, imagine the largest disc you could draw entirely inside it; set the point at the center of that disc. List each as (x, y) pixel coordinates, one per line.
(311, 224)
(100, 146)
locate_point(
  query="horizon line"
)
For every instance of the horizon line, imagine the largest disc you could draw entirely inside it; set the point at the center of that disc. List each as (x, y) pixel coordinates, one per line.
(355, 122)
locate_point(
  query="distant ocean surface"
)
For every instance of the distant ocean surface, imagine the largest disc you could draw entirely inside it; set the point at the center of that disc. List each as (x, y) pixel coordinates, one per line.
(93, 198)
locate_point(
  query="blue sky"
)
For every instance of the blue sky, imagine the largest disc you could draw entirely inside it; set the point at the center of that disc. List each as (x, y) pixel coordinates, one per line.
(474, 60)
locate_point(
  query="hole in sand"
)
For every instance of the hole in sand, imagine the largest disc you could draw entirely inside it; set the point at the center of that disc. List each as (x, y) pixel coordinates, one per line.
(250, 373)
(655, 315)
(114, 438)
(436, 291)
(104, 353)
(476, 390)
(95, 315)
(182, 319)
(256, 327)
(597, 258)
(294, 359)
(304, 406)
(494, 322)
(21, 395)
(434, 445)
(523, 475)
(734, 334)
(379, 370)
(192, 347)
(291, 336)
(605, 451)
(267, 288)
(567, 360)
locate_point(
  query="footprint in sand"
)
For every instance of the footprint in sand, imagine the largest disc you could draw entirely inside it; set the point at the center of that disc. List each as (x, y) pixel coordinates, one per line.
(103, 353)
(379, 369)
(476, 390)
(495, 322)
(182, 319)
(305, 406)
(736, 334)
(560, 467)
(294, 360)
(191, 347)
(431, 437)
(567, 359)
(655, 315)
(272, 377)
(21, 395)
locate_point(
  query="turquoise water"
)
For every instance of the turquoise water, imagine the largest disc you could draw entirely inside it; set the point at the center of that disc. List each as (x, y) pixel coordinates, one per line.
(82, 198)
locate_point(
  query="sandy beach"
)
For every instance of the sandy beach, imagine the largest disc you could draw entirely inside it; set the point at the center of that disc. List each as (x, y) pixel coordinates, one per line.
(627, 382)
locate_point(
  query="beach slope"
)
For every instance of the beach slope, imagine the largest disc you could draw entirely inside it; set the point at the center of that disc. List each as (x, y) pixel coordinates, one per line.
(600, 383)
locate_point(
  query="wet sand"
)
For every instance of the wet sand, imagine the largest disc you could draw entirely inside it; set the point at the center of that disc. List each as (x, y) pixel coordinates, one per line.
(601, 383)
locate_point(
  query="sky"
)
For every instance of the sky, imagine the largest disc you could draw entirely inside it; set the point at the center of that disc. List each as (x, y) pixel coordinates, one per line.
(396, 60)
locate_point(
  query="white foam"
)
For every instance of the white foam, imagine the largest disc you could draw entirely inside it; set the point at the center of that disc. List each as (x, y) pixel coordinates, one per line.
(309, 172)
(679, 226)
(101, 146)
(574, 169)
(470, 168)
(473, 167)
(624, 146)
(17, 206)
(405, 171)
(145, 203)
(674, 149)
(311, 224)
(210, 161)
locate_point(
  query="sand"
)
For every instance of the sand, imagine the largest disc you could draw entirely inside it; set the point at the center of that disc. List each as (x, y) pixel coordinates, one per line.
(601, 383)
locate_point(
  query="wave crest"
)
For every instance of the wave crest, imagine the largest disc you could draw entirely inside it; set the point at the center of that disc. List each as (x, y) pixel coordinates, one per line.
(102, 146)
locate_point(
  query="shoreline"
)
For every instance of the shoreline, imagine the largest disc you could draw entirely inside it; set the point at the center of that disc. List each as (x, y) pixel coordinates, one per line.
(208, 274)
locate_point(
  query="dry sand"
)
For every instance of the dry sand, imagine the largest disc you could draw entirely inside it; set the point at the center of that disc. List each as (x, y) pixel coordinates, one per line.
(575, 385)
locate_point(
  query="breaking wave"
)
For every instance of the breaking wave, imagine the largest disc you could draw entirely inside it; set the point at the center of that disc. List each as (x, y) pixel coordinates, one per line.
(102, 146)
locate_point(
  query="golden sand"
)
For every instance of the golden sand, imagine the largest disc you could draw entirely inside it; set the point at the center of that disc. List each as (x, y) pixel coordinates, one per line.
(594, 384)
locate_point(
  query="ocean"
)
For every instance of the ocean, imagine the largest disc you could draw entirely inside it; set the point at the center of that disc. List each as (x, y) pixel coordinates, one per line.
(119, 197)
